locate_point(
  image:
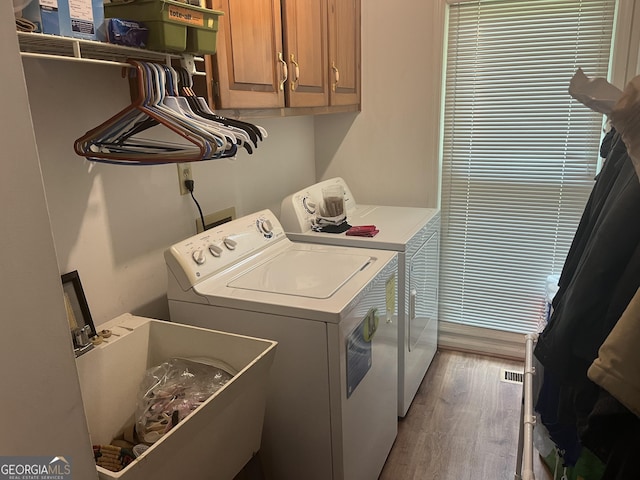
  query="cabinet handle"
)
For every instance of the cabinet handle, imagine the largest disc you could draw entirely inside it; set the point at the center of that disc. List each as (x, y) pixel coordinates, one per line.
(412, 304)
(296, 72)
(285, 70)
(336, 74)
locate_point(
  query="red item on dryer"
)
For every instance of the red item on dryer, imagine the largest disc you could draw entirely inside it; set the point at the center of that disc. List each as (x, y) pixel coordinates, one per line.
(363, 231)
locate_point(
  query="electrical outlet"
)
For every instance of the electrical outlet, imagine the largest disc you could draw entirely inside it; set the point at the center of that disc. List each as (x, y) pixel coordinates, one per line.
(184, 173)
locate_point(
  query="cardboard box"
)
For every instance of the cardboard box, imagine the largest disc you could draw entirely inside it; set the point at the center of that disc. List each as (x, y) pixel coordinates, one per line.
(46, 15)
(68, 18)
(85, 19)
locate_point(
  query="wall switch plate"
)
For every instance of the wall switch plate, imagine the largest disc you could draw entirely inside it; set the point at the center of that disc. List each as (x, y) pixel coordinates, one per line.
(184, 173)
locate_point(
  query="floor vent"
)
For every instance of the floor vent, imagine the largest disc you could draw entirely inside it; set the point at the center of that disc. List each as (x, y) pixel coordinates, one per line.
(511, 376)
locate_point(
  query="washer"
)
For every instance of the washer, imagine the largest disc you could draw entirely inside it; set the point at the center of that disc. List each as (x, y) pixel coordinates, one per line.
(331, 408)
(412, 232)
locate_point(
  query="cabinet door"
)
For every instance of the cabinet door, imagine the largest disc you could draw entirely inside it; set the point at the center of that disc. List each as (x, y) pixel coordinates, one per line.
(344, 52)
(305, 45)
(248, 68)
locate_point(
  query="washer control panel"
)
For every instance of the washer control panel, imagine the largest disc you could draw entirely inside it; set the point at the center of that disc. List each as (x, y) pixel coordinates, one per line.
(201, 256)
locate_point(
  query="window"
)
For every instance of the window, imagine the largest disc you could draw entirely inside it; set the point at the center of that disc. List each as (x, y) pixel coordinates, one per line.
(519, 154)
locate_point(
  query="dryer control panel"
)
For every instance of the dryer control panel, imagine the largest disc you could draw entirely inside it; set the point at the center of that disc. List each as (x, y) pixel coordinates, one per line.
(207, 253)
(298, 211)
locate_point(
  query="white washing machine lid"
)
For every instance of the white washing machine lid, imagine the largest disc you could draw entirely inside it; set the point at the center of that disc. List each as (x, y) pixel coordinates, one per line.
(312, 274)
(282, 297)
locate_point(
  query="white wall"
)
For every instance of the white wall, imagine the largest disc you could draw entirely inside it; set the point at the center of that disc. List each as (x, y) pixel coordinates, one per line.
(388, 153)
(41, 403)
(112, 223)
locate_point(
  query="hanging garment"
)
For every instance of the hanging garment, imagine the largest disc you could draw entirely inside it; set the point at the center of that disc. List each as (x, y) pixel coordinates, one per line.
(617, 368)
(588, 466)
(621, 107)
(591, 287)
(600, 276)
(563, 431)
(613, 150)
(596, 93)
(599, 279)
(567, 406)
(625, 116)
(613, 434)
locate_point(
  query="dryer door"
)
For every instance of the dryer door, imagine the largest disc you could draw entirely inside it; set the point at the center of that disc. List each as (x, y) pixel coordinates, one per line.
(423, 296)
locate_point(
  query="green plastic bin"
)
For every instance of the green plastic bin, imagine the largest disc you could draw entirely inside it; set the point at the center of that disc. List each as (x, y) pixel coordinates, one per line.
(173, 26)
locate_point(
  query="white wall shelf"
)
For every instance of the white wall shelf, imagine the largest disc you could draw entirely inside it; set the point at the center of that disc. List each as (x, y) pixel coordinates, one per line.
(53, 47)
(38, 45)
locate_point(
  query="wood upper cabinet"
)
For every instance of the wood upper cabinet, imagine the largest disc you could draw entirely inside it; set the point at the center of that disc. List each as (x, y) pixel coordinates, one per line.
(344, 52)
(248, 68)
(285, 53)
(305, 42)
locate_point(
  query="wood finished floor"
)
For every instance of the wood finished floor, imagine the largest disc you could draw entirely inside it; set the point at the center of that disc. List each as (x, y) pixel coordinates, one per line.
(462, 425)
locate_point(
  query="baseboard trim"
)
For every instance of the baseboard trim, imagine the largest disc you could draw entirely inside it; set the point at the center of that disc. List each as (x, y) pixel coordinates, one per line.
(465, 338)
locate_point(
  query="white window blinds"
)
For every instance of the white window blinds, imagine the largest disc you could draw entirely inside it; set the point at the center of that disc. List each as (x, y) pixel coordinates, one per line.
(519, 154)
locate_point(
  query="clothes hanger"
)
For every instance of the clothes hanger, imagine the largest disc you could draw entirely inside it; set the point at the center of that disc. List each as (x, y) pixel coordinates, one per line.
(254, 131)
(159, 89)
(182, 107)
(240, 136)
(165, 97)
(245, 136)
(99, 142)
(111, 140)
(168, 79)
(170, 106)
(234, 137)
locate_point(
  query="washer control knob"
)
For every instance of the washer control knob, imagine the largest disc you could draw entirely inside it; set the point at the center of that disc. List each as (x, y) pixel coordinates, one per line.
(265, 226)
(309, 205)
(230, 243)
(215, 250)
(198, 257)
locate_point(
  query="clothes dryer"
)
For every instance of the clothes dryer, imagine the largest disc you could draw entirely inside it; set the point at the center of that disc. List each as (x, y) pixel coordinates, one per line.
(332, 403)
(414, 233)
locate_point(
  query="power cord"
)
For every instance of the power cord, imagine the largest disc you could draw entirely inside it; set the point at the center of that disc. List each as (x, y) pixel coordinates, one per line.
(189, 184)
